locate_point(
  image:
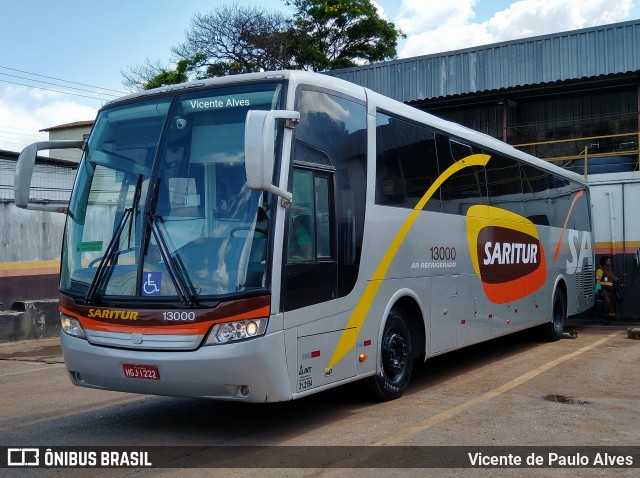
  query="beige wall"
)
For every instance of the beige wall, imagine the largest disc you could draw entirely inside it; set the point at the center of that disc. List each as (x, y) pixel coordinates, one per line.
(68, 133)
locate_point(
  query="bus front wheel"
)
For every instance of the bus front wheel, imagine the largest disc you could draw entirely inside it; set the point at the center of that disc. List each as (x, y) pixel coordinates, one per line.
(396, 358)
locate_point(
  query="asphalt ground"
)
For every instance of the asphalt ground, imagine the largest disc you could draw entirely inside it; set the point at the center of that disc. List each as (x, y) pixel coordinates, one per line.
(495, 397)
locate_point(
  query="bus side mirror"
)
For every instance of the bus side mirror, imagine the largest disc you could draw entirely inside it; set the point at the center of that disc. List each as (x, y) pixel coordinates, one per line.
(259, 148)
(24, 173)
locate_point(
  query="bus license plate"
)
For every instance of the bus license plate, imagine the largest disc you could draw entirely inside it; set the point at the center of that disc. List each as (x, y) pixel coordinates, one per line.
(144, 372)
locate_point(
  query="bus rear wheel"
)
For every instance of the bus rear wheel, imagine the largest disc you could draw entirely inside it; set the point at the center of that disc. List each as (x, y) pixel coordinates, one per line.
(558, 314)
(396, 358)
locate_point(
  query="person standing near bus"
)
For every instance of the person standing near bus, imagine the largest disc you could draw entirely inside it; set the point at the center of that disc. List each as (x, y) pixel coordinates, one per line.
(605, 283)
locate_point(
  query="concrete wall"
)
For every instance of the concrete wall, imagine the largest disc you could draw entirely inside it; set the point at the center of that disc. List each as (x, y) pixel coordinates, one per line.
(30, 244)
(29, 235)
(36, 320)
(68, 133)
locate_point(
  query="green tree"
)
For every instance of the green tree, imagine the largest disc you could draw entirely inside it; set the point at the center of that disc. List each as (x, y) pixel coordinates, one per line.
(179, 75)
(342, 33)
(235, 39)
(321, 35)
(229, 40)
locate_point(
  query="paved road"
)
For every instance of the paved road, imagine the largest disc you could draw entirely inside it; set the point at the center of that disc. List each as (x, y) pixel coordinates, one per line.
(508, 392)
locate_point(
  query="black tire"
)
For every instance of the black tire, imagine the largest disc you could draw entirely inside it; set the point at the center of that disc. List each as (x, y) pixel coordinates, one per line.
(555, 328)
(396, 358)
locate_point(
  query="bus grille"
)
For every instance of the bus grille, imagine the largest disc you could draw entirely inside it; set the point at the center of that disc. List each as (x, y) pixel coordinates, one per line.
(143, 341)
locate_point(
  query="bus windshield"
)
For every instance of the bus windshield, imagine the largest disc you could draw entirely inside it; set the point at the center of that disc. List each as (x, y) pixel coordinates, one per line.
(161, 209)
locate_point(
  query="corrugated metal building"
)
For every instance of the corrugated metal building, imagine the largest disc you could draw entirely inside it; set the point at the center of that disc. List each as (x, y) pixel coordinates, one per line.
(572, 86)
(591, 52)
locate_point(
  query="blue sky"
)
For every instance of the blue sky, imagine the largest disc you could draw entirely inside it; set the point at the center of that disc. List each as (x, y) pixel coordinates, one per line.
(45, 45)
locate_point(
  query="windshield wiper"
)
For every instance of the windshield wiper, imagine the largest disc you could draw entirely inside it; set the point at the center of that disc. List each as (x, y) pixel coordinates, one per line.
(182, 289)
(136, 201)
(110, 254)
(112, 251)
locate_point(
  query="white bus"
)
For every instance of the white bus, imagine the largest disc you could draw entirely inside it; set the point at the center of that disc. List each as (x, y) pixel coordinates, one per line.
(266, 236)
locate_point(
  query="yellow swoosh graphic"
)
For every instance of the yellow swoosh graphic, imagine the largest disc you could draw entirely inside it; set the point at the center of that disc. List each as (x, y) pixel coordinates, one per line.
(348, 341)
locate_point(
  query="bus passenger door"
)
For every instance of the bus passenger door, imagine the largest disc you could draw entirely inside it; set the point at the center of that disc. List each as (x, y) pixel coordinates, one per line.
(309, 287)
(310, 269)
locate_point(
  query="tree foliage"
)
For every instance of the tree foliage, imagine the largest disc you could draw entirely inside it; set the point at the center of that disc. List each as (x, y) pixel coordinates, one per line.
(152, 75)
(234, 39)
(321, 35)
(342, 34)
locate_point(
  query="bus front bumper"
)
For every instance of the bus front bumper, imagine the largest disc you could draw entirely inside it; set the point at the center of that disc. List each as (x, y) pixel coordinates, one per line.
(253, 370)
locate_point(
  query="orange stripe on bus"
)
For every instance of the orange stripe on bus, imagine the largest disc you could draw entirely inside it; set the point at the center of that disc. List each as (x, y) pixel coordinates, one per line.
(196, 328)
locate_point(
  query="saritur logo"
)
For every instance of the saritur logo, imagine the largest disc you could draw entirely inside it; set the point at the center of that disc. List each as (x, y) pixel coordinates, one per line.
(506, 253)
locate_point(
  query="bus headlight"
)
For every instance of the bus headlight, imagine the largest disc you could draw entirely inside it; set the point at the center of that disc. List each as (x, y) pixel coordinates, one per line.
(237, 330)
(72, 326)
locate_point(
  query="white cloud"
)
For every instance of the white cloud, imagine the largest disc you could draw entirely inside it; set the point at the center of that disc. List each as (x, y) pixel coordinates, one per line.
(536, 17)
(416, 16)
(445, 26)
(445, 38)
(25, 111)
(64, 111)
(380, 10)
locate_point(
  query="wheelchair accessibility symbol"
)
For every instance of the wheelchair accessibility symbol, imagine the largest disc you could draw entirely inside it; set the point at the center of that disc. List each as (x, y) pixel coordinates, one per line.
(151, 283)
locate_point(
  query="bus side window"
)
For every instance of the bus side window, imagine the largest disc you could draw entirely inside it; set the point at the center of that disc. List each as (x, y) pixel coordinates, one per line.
(406, 163)
(504, 183)
(465, 188)
(536, 194)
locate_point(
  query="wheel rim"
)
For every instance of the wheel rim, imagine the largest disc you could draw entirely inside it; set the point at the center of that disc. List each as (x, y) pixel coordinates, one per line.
(394, 355)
